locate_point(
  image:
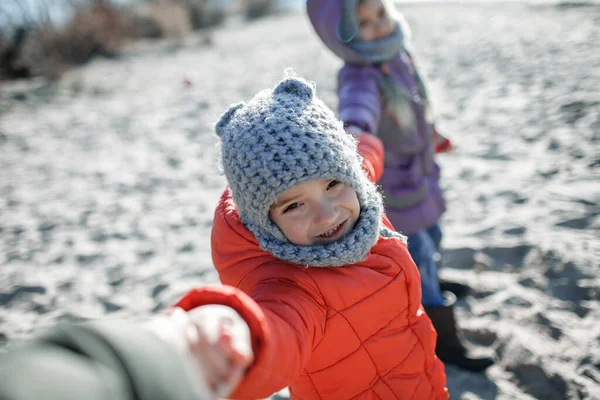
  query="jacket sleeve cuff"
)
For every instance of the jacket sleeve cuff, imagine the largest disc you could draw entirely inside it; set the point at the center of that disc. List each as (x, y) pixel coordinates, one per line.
(359, 116)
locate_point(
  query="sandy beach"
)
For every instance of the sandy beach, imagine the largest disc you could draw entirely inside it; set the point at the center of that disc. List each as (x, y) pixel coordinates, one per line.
(109, 180)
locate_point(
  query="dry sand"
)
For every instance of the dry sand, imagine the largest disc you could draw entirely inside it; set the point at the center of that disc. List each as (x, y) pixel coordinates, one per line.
(109, 180)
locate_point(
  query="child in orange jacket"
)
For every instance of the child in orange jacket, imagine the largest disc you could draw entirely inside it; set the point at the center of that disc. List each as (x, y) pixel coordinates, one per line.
(326, 286)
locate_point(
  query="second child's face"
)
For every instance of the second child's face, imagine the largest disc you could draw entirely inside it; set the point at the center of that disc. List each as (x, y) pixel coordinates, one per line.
(316, 212)
(374, 21)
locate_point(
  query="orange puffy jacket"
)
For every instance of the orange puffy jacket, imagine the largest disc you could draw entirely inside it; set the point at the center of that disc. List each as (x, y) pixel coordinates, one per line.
(353, 332)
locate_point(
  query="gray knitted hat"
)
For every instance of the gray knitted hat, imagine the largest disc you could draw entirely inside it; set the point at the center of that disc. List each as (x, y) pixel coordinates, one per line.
(284, 137)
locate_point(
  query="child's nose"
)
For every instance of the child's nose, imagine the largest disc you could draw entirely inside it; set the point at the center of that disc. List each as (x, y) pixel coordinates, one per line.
(326, 214)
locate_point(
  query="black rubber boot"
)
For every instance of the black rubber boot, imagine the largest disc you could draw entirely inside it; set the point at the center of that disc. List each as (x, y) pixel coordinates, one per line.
(449, 347)
(460, 290)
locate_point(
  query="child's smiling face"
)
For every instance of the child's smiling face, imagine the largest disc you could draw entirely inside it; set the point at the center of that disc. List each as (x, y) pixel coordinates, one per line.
(316, 212)
(373, 19)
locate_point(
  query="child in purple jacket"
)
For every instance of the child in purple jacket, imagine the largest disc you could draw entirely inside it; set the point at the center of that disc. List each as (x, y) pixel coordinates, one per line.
(381, 93)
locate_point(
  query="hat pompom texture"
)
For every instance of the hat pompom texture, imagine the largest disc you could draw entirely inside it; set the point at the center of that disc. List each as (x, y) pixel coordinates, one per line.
(220, 127)
(295, 87)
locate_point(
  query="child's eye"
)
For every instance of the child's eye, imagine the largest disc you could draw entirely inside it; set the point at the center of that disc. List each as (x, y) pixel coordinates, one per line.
(291, 207)
(332, 184)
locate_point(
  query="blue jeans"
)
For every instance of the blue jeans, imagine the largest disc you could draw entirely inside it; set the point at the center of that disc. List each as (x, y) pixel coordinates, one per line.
(423, 247)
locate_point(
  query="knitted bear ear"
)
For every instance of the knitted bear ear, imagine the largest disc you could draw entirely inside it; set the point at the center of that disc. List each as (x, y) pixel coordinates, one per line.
(296, 87)
(226, 118)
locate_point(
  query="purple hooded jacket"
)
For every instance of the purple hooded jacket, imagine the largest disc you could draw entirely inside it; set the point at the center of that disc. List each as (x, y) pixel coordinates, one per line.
(387, 101)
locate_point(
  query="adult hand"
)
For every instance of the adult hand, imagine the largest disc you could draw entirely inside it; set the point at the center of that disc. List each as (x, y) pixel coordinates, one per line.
(214, 340)
(222, 346)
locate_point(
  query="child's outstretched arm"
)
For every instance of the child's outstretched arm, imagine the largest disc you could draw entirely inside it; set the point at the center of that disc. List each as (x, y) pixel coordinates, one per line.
(360, 110)
(285, 324)
(359, 98)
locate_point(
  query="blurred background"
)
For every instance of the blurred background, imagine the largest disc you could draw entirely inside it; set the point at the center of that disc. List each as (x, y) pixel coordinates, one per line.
(109, 165)
(43, 37)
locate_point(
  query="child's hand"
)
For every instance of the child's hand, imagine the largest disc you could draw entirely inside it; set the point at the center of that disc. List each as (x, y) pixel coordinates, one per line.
(441, 143)
(214, 340)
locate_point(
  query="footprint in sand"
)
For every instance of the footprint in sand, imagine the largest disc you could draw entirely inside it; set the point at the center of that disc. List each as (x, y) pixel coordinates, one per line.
(515, 231)
(520, 357)
(16, 291)
(480, 337)
(578, 223)
(538, 382)
(549, 326)
(575, 110)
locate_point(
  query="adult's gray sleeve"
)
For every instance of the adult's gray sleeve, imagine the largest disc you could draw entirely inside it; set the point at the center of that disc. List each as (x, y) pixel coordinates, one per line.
(96, 361)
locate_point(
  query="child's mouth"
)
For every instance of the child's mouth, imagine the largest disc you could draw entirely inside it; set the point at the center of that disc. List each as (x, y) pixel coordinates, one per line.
(333, 232)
